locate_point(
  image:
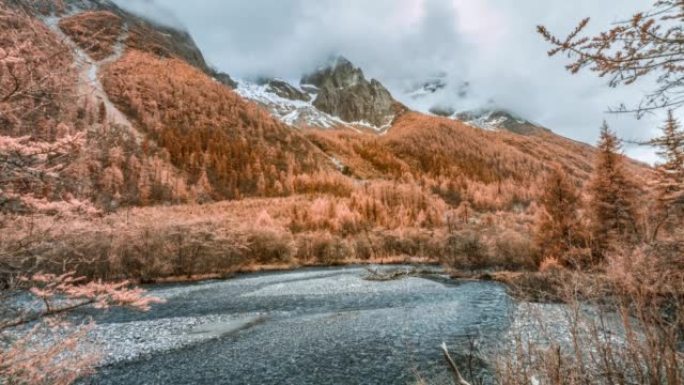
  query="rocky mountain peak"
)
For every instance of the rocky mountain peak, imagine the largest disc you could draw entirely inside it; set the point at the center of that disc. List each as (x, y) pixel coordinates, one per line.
(283, 89)
(344, 91)
(339, 73)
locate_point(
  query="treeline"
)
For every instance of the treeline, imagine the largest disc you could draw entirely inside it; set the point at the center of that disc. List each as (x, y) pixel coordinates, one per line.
(614, 213)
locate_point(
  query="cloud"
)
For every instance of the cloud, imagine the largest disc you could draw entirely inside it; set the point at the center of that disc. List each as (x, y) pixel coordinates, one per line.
(492, 44)
(153, 11)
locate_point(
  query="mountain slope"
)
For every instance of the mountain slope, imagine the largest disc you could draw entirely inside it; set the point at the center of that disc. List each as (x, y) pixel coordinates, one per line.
(498, 119)
(149, 122)
(208, 129)
(140, 125)
(93, 23)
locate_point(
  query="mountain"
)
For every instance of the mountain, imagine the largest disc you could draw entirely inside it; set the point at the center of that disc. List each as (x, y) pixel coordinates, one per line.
(137, 117)
(133, 115)
(429, 86)
(439, 96)
(336, 95)
(290, 104)
(93, 24)
(343, 91)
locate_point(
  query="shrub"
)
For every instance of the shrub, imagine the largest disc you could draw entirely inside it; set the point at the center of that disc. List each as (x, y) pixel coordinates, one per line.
(413, 242)
(331, 250)
(515, 251)
(363, 248)
(535, 286)
(271, 246)
(324, 248)
(465, 250)
(141, 256)
(578, 258)
(632, 336)
(550, 264)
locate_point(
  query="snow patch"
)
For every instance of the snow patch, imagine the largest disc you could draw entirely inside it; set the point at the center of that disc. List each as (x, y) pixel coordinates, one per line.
(298, 113)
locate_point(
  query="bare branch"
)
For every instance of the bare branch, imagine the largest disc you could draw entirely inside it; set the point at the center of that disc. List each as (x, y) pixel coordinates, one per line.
(457, 373)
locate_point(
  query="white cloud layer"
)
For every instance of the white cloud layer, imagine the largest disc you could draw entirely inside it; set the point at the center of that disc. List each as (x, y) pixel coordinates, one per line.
(492, 44)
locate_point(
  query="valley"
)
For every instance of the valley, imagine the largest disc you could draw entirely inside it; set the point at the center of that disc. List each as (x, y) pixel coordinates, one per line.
(165, 222)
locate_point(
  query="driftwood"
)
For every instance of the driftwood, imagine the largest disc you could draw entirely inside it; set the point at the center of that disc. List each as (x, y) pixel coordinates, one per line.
(457, 373)
(375, 274)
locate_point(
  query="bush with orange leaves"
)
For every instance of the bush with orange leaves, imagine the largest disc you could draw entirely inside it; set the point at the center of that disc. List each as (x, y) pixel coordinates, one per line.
(41, 346)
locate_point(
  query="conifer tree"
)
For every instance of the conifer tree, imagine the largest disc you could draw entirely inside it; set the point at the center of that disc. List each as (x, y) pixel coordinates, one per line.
(612, 196)
(669, 183)
(558, 225)
(464, 212)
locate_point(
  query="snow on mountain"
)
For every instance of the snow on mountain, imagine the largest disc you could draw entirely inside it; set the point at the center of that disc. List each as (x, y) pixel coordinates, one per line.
(299, 105)
(290, 111)
(494, 119)
(426, 88)
(455, 99)
(294, 110)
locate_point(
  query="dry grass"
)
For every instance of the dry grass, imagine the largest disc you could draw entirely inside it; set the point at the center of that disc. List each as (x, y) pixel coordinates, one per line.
(624, 326)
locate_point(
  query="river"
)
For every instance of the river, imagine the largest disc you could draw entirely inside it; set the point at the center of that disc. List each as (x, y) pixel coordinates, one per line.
(312, 326)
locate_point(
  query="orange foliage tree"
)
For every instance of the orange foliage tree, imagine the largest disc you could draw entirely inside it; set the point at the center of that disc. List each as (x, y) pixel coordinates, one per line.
(612, 204)
(558, 228)
(649, 43)
(669, 183)
(43, 348)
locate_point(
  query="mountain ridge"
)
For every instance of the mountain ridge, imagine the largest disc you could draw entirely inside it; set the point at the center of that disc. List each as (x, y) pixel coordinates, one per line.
(193, 139)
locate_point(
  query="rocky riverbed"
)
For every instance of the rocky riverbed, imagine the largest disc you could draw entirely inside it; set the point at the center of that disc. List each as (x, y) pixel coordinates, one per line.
(317, 326)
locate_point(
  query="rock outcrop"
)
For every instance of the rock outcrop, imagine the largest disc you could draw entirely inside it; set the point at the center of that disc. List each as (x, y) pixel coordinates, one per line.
(343, 91)
(283, 89)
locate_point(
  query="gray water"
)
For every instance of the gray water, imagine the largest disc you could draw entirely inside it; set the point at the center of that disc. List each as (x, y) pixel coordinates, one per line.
(318, 326)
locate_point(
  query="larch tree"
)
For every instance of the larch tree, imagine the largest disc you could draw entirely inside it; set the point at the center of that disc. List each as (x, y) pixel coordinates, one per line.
(612, 196)
(464, 212)
(669, 181)
(54, 349)
(558, 225)
(650, 43)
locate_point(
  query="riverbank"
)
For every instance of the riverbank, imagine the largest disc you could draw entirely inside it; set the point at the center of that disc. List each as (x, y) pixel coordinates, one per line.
(152, 244)
(284, 268)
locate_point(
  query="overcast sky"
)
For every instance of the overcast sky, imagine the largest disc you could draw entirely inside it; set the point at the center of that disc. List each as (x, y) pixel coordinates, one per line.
(492, 44)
